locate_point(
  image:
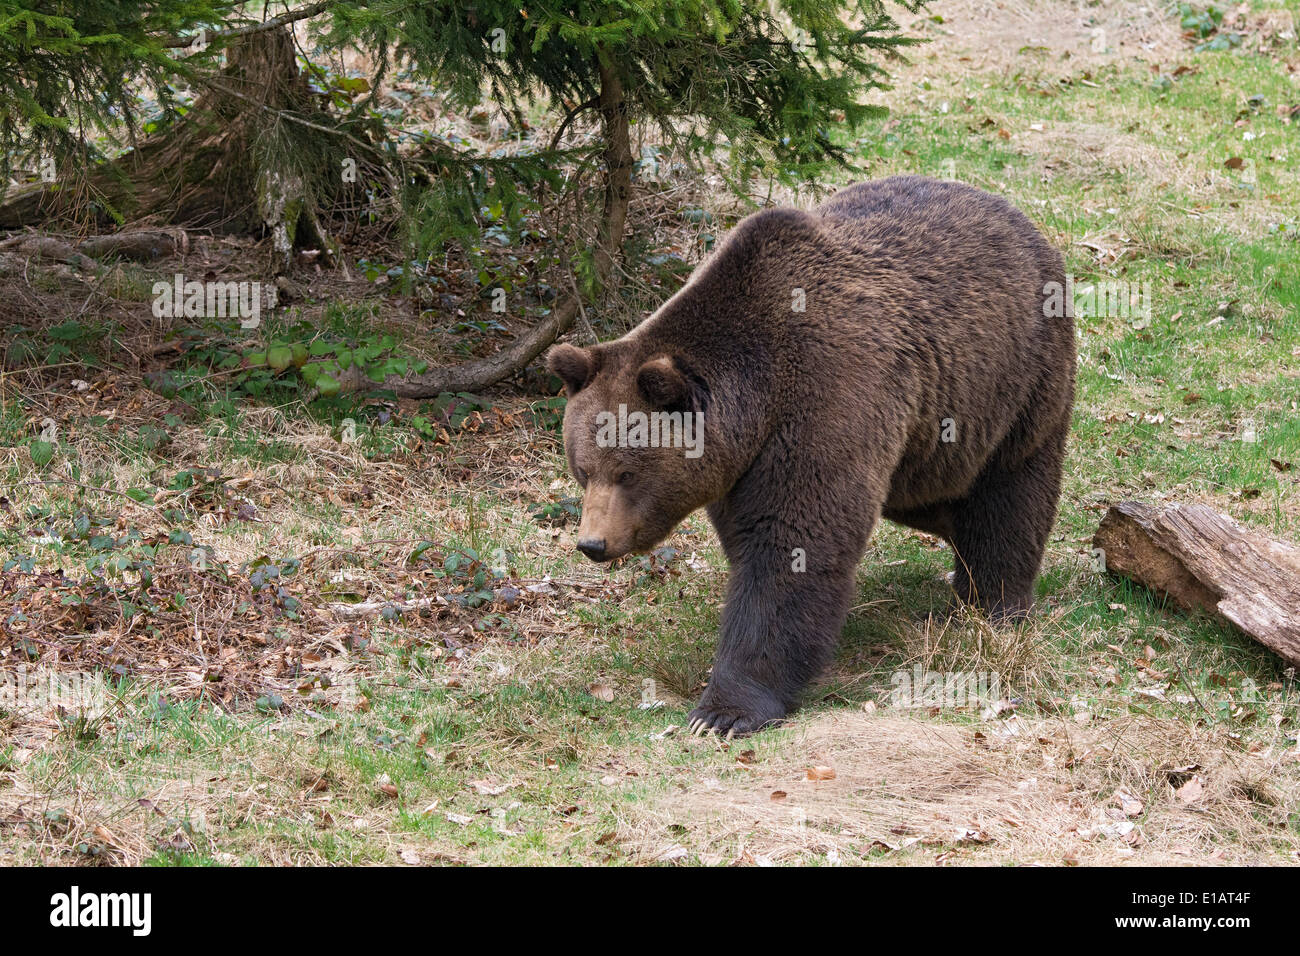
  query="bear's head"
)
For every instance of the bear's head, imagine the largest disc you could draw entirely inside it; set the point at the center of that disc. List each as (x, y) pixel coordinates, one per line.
(634, 437)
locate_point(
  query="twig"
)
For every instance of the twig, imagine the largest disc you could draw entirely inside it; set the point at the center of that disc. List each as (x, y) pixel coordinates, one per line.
(569, 118)
(285, 18)
(375, 608)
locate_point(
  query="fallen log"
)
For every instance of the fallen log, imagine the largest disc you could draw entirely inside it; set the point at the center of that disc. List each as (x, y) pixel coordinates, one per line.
(141, 245)
(1200, 558)
(367, 609)
(48, 249)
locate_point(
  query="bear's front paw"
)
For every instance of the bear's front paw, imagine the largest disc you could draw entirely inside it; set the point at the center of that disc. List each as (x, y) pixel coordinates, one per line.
(733, 721)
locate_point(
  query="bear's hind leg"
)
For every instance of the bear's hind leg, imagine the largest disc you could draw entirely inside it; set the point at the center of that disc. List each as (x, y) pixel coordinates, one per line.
(1000, 531)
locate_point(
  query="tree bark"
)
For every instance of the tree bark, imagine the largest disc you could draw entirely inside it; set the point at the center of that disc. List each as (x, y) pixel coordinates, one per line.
(1199, 558)
(213, 167)
(618, 168)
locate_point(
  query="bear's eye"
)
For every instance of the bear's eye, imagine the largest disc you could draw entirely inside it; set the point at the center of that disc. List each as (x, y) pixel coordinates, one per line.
(624, 478)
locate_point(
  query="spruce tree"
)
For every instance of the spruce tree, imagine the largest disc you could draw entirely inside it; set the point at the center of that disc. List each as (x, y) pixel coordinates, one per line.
(67, 68)
(765, 83)
(760, 86)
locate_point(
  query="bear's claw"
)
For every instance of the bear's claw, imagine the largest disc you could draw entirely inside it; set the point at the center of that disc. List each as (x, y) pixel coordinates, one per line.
(706, 722)
(708, 730)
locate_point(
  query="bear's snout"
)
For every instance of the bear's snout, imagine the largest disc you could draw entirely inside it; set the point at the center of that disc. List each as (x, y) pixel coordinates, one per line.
(609, 527)
(593, 548)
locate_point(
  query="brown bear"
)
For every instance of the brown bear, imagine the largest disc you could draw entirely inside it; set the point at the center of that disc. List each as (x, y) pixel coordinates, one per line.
(892, 352)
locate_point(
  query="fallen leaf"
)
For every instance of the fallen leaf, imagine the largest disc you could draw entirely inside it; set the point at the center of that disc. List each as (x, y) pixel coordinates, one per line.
(1117, 830)
(1190, 791)
(488, 789)
(1130, 804)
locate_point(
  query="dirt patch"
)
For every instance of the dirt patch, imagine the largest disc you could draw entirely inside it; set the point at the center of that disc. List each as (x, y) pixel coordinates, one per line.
(915, 791)
(1063, 36)
(1088, 149)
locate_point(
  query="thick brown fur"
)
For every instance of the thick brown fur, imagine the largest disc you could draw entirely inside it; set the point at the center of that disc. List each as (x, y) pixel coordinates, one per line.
(923, 382)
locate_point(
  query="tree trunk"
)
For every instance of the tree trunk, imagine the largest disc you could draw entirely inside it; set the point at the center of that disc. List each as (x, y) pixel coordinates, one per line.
(1202, 559)
(226, 165)
(618, 169)
(482, 373)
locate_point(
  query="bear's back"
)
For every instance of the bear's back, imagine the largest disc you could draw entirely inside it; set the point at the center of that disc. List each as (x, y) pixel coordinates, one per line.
(958, 224)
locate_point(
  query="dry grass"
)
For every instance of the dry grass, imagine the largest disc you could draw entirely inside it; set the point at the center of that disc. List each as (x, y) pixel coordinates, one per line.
(912, 791)
(1065, 36)
(1083, 150)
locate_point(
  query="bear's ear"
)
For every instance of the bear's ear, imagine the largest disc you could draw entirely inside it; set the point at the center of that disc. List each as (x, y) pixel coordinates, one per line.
(576, 367)
(663, 385)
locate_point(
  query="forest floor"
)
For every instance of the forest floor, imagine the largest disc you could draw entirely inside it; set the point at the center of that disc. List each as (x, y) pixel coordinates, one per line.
(197, 538)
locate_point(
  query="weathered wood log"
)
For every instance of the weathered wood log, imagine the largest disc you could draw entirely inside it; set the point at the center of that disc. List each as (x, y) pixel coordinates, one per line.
(47, 248)
(365, 609)
(1202, 559)
(140, 245)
